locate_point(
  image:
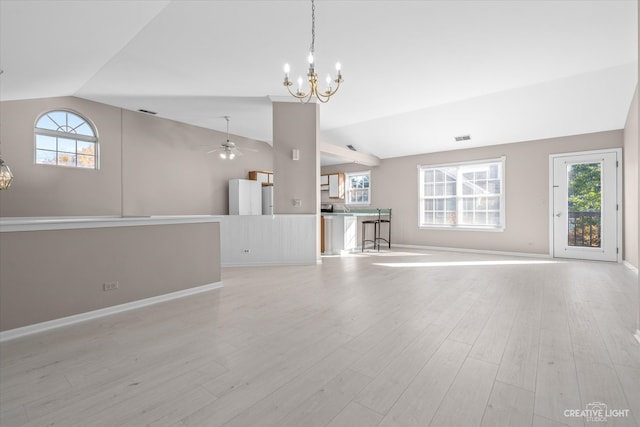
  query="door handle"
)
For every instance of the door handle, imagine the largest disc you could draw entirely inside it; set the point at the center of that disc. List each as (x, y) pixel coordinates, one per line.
(559, 214)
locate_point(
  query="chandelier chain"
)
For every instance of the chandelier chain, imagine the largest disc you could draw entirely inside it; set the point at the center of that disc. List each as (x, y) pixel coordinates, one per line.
(313, 26)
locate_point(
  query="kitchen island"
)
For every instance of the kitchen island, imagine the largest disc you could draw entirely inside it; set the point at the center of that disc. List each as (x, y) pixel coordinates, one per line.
(341, 228)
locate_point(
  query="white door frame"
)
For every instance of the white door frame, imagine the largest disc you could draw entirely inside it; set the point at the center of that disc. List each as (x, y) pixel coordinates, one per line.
(618, 152)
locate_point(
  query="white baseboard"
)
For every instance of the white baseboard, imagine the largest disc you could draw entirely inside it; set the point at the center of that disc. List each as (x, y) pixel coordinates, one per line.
(474, 251)
(77, 318)
(269, 263)
(630, 266)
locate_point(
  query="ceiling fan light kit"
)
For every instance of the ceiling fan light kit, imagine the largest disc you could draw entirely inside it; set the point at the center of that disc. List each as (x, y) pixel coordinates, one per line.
(227, 154)
(227, 147)
(312, 76)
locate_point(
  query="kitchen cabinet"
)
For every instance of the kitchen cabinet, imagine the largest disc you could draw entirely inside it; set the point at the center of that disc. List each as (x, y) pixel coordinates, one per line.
(245, 197)
(336, 186)
(263, 177)
(324, 182)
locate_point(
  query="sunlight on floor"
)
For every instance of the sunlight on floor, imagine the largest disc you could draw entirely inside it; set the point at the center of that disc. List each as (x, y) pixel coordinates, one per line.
(464, 263)
(382, 253)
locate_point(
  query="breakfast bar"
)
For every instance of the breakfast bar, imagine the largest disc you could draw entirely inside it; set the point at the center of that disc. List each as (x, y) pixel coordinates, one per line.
(341, 229)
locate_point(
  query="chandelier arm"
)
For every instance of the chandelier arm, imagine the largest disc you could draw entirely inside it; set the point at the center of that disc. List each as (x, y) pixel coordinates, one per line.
(296, 95)
(322, 98)
(332, 92)
(309, 96)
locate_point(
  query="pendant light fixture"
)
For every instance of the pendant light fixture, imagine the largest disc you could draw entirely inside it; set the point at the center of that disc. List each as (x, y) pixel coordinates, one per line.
(312, 76)
(6, 177)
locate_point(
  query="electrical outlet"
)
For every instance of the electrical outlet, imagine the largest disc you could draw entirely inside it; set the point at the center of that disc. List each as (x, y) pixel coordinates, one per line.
(110, 286)
(246, 251)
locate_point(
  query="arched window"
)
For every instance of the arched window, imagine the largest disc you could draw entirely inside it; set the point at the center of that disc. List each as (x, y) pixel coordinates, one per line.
(64, 138)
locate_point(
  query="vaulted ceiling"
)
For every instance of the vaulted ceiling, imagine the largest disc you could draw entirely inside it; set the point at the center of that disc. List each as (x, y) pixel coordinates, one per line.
(417, 73)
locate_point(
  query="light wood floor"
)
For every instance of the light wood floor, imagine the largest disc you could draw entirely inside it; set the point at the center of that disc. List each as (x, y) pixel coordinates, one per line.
(395, 339)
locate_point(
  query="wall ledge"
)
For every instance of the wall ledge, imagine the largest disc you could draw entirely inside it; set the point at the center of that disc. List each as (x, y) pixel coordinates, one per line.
(11, 224)
(95, 314)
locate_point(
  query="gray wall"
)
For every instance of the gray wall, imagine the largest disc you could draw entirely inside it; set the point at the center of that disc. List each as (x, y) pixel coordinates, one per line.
(41, 282)
(295, 126)
(395, 185)
(41, 190)
(148, 165)
(631, 157)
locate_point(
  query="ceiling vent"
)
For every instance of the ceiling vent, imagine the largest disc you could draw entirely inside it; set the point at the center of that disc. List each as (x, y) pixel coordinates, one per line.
(463, 138)
(351, 147)
(153, 113)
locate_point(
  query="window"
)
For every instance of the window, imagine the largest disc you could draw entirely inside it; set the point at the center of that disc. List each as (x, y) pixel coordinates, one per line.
(358, 188)
(64, 138)
(465, 195)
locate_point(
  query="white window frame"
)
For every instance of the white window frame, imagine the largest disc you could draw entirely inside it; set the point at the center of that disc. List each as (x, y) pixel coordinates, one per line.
(66, 135)
(464, 167)
(347, 196)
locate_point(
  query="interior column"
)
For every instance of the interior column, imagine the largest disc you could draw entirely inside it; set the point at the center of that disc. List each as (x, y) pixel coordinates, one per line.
(296, 161)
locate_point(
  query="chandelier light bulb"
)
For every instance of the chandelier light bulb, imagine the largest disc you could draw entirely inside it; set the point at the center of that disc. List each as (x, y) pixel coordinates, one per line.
(338, 67)
(310, 58)
(299, 83)
(286, 69)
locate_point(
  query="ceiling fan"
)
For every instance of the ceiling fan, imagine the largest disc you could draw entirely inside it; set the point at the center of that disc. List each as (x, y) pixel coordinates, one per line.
(229, 149)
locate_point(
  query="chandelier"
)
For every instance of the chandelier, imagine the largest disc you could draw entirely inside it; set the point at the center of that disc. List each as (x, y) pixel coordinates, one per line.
(312, 76)
(6, 177)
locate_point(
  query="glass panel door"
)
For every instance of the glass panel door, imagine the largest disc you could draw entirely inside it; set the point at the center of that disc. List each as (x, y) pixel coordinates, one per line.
(585, 206)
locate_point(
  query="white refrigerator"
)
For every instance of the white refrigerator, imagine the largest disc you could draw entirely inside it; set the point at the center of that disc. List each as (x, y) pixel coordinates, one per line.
(267, 200)
(245, 197)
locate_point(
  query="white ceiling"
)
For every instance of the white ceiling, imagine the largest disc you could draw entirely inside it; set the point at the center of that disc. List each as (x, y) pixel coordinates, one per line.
(417, 73)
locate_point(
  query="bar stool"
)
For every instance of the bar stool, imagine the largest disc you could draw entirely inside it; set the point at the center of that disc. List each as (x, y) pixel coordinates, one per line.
(365, 224)
(380, 222)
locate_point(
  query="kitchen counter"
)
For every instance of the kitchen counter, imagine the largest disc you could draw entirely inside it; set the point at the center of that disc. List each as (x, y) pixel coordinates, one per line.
(341, 228)
(358, 212)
